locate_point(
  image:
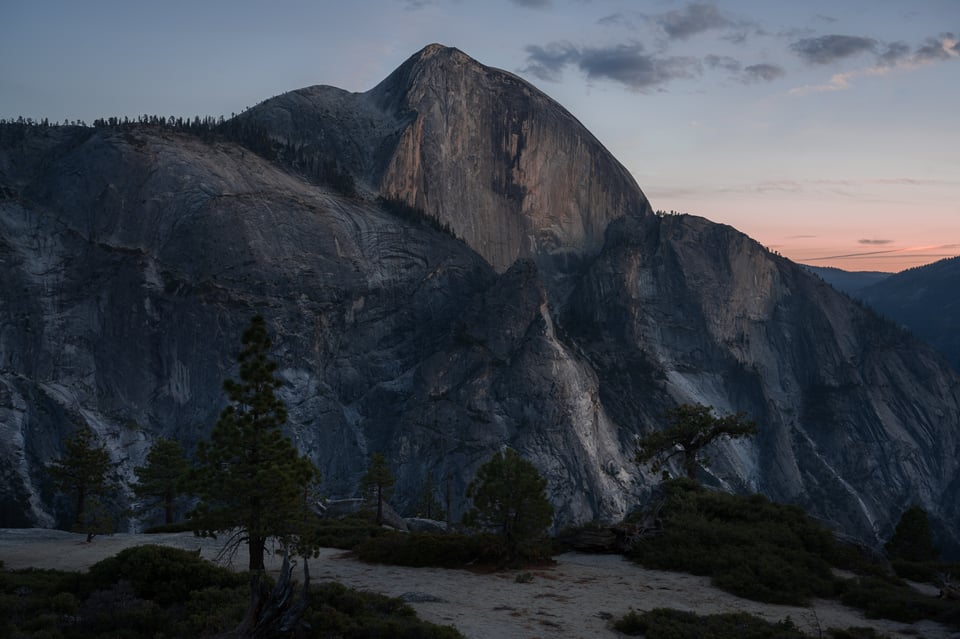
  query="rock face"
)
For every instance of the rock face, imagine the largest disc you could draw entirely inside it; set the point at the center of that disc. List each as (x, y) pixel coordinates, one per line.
(131, 258)
(508, 169)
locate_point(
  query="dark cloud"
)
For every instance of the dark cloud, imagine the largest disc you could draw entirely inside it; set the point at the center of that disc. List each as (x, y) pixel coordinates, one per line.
(762, 73)
(935, 49)
(413, 5)
(547, 62)
(615, 19)
(722, 62)
(875, 242)
(627, 64)
(894, 53)
(532, 4)
(692, 19)
(827, 49)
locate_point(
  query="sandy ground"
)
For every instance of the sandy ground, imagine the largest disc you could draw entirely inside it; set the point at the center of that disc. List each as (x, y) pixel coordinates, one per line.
(575, 598)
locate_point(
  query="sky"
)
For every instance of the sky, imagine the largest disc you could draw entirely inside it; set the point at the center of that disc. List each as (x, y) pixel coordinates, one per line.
(826, 130)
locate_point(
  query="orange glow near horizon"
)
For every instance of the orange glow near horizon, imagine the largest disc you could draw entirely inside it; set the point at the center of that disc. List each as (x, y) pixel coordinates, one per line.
(889, 261)
(849, 234)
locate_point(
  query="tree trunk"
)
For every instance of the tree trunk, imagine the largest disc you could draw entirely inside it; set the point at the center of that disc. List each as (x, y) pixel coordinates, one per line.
(168, 508)
(81, 501)
(256, 546)
(379, 506)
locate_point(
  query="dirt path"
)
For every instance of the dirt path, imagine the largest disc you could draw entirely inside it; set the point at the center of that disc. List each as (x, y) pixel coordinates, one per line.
(575, 598)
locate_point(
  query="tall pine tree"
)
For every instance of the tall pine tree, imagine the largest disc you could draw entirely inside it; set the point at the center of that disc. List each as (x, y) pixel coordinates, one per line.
(250, 477)
(377, 483)
(83, 472)
(161, 479)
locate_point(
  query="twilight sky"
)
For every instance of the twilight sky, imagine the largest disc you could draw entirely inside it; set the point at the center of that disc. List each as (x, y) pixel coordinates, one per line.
(826, 130)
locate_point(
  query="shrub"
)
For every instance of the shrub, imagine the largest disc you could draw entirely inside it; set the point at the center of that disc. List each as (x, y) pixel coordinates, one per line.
(432, 549)
(338, 611)
(892, 599)
(747, 545)
(666, 623)
(165, 575)
(177, 527)
(346, 532)
(855, 632)
(213, 611)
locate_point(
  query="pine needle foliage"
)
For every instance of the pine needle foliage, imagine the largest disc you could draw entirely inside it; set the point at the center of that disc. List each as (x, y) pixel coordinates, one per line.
(690, 429)
(82, 472)
(912, 539)
(250, 478)
(377, 483)
(509, 498)
(160, 480)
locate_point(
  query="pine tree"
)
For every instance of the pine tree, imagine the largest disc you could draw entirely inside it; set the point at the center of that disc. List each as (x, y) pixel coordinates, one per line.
(912, 539)
(428, 506)
(691, 428)
(250, 476)
(377, 483)
(82, 471)
(161, 479)
(509, 496)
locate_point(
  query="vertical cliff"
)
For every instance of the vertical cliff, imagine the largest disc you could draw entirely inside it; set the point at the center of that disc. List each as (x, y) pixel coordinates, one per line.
(509, 170)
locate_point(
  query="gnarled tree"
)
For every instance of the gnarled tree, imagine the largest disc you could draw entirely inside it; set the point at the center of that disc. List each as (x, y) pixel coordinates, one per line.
(690, 429)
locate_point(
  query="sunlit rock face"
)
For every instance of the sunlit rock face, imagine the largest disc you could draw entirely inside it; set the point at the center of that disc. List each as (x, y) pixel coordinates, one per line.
(507, 168)
(562, 322)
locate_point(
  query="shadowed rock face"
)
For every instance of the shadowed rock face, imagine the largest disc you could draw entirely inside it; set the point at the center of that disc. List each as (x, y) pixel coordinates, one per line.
(132, 259)
(925, 300)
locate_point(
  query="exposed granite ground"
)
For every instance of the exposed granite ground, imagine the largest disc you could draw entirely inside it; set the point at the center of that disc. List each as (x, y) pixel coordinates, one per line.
(577, 597)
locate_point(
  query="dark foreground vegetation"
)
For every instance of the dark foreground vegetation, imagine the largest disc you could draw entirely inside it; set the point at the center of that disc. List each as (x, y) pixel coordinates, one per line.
(376, 544)
(664, 623)
(769, 552)
(158, 592)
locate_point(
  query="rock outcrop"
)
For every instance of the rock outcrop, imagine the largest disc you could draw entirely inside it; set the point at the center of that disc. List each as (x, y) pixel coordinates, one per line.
(562, 324)
(505, 167)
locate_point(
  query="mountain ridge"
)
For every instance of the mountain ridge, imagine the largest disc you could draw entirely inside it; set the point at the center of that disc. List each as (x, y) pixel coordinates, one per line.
(131, 257)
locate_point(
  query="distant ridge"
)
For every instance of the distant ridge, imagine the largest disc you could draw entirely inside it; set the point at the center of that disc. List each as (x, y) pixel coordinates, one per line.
(926, 300)
(847, 281)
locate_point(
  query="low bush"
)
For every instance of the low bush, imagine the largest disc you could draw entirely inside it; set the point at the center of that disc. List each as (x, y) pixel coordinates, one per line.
(890, 598)
(449, 550)
(924, 571)
(346, 532)
(749, 546)
(666, 623)
(154, 592)
(432, 549)
(162, 574)
(178, 527)
(338, 611)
